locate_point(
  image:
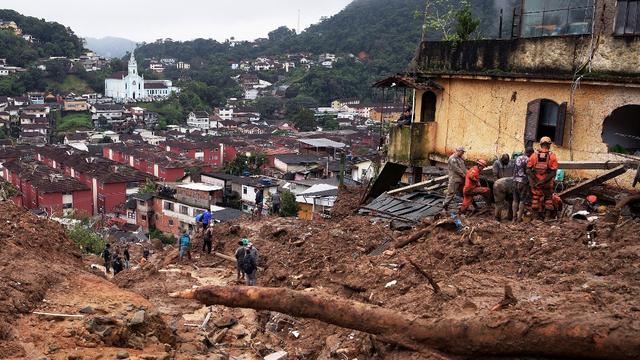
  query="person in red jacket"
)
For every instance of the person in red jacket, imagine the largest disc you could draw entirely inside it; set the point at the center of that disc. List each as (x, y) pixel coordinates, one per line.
(472, 186)
(542, 168)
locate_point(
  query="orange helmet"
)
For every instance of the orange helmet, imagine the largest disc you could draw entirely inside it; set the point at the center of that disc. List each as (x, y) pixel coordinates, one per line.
(482, 162)
(546, 140)
(592, 199)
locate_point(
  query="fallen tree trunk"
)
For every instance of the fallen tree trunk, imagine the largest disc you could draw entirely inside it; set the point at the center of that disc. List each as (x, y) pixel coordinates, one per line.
(497, 334)
(417, 235)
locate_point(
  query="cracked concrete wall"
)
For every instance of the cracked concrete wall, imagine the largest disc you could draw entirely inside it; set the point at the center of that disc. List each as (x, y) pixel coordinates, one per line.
(488, 117)
(551, 56)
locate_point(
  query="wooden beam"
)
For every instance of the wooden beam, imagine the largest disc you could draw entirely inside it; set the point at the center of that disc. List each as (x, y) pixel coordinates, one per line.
(58, 316)
(594, 181)
(420, 185)
(591, 165)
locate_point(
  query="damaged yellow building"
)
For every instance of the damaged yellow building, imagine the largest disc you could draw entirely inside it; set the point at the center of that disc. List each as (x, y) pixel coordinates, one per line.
(571, 72)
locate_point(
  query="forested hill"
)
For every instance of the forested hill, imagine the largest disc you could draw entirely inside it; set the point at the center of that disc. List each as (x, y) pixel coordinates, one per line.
(382, 34)
(374, 28)
(52, 39)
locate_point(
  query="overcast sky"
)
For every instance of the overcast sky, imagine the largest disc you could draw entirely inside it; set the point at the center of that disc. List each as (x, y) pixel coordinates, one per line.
(145, 20)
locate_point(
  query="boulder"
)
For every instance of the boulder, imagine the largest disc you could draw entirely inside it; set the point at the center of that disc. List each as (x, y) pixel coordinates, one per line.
(138, 318)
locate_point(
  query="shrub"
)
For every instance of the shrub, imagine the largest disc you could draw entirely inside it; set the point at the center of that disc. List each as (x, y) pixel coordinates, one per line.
(86, 239)
(289, 206)
(157, 234)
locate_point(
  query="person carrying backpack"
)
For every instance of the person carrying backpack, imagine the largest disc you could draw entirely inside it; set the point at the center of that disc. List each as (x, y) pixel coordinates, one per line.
(240, 251)
(250, 264)
(118, 265)
(185, 245)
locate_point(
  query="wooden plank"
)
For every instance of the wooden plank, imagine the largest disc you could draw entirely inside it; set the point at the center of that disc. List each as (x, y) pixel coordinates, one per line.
(59, 316)
(594, 181)
(591, 165)
(419, 185)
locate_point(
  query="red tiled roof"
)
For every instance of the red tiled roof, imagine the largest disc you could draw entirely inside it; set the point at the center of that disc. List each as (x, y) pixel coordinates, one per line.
(44, 178)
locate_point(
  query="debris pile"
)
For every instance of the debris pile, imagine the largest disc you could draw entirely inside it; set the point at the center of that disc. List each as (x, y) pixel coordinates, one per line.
(51, 304)
(468, 272)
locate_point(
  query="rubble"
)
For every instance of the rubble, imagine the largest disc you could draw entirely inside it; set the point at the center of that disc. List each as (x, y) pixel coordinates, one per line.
(443, 274)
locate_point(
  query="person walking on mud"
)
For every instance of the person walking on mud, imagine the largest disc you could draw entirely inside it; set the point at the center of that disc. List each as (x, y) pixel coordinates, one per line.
(259, 201)
(185, 245)
(240, 257)
(106, 255)
(457, 173)
(250, 264)
(207, 239)
(127, 257)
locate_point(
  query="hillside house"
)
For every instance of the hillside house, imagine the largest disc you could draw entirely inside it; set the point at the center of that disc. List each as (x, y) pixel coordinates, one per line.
(214, 154)
(563, 74)
(44, 188)
(320, 147)
(75, 105)
(110, 182)
(198, 119)
(37, 110)
(293, 163)
(362, 170)
(177, 213)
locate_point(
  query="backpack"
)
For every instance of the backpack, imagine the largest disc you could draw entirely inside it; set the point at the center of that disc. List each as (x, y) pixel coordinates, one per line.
(185, 240)
(248, 262)
(240, 254)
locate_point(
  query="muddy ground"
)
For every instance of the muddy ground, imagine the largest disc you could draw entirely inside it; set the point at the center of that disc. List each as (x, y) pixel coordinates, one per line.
(551, 270)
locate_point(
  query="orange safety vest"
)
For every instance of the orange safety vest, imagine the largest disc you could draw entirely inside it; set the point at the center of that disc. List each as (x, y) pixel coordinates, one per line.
(542, 162)
(541, 167)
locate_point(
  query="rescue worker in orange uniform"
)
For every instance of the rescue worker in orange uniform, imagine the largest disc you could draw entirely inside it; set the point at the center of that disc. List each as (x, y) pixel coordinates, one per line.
(472, 186)
(542, 168)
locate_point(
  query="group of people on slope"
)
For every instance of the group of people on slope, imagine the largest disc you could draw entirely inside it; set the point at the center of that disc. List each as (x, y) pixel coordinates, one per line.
(533, 173)
(259, 200)
(116, 262)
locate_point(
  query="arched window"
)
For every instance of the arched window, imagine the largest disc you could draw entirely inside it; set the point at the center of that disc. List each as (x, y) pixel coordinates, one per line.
(621, 129)
(545, 118)
(428, 112)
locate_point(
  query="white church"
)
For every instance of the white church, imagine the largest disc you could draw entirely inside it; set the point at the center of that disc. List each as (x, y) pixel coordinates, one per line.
(130, 86)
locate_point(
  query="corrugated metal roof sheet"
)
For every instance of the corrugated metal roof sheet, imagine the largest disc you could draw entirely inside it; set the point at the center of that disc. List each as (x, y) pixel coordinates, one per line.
(411, 208)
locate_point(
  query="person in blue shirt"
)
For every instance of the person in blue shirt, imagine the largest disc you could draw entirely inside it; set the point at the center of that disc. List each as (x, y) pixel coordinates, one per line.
(185, 245)
(204, 219)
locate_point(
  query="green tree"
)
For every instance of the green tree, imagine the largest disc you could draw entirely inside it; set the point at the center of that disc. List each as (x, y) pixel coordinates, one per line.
(87, 240)
(149, 187)
(242, 163)
(57, 69)
(454, 20)
(282, 33)
(466, 23)
(331, 124)
(267, 106)
(305, 120)
(289, 206)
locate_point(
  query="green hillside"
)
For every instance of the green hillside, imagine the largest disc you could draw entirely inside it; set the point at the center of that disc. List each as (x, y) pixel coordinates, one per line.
(52, 39)
(374, 38)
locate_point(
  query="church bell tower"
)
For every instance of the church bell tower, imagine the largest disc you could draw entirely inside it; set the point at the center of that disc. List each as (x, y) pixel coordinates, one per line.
(133, 65)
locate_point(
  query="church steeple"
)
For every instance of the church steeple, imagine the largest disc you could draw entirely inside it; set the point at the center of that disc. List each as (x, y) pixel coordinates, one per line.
(133, 65)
